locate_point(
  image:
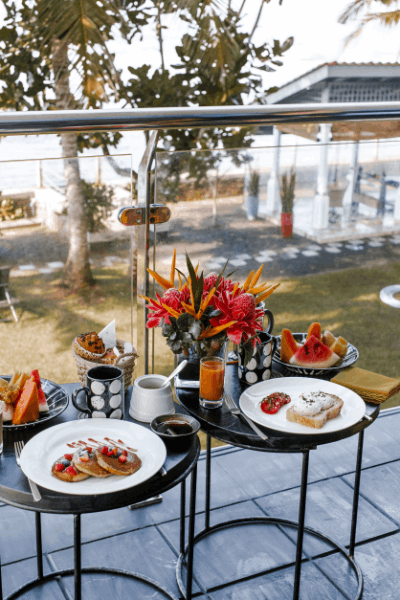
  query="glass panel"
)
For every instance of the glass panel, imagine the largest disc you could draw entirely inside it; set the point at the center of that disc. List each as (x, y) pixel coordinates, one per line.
(35, 246)
(227, 204)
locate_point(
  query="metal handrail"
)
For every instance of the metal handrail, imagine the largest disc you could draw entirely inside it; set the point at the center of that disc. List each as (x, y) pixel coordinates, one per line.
(73, 121)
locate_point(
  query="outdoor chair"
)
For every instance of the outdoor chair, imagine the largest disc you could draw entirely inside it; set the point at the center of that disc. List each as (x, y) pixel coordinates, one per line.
(5, 298)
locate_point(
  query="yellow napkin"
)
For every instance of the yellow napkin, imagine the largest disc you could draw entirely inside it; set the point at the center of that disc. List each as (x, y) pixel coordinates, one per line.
(372, 387)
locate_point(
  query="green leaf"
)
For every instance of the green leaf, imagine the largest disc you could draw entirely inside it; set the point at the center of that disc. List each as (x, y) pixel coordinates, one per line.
(220, 275)
(185, 321)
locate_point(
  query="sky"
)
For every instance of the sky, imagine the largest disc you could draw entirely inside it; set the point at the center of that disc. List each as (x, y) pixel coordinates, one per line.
(318, 38)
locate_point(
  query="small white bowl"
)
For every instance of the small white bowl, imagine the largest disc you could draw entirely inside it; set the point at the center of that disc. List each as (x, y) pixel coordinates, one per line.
(149, 400)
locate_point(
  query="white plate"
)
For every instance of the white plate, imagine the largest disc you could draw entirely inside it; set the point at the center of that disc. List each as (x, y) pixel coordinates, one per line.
(46, 447)
(352, 411)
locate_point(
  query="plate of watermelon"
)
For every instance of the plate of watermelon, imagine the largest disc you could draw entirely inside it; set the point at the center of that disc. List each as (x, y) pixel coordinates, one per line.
(38, 401)
(302, 355)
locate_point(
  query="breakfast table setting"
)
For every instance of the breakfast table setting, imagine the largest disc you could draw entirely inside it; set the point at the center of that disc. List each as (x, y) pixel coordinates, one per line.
(32, 486)
(287, 393)
(109, 441)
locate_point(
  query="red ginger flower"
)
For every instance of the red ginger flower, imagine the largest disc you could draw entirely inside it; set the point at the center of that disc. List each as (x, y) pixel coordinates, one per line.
(225, 285)
(242, 309)
(171, 298)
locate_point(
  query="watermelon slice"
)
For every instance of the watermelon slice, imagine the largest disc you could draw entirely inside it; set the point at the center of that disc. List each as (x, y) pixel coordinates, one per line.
(43, 406)
(314, 354)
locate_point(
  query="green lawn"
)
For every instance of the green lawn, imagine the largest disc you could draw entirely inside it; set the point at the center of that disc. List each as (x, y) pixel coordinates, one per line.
(345, 302)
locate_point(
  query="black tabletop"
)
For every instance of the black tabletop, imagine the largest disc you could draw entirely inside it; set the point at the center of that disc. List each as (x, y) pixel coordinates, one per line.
(14, 487)
(221, 424)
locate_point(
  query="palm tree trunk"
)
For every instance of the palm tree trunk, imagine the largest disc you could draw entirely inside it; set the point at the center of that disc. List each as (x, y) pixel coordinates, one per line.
(77, 273)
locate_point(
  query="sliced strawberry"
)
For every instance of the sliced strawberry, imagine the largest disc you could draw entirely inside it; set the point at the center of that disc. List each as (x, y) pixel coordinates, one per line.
(68, 456)
(104, 450)
(124, 452)
(110, 453)
(122, 458)
(59, 467)
(70, 470)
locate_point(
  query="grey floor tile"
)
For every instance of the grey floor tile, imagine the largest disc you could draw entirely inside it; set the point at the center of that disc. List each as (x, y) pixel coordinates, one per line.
(143, 551)
(379, 562)
(17, 534)
(237, 511)
(17, 574)
(279, 586)
(258, 473)
(381, 485)
(240, 551)
(328, 510)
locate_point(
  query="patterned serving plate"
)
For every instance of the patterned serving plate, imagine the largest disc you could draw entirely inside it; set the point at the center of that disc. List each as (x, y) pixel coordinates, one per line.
(294, 371)
(57, 399)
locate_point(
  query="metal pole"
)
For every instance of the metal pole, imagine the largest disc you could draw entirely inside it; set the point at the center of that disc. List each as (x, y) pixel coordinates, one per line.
(39, 551)
(1, 585)
(143, 244)
(208, 482)
(75, 121)
(192, 513)
(356, 493)
(183, 505)
(300, 531)
(77, 558)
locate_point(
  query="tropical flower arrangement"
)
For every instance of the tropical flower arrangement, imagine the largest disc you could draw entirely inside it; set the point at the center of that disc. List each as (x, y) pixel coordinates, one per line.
(201, 313)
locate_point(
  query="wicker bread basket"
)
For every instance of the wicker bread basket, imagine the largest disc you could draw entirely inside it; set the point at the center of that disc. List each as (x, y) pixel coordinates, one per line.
(126, 362)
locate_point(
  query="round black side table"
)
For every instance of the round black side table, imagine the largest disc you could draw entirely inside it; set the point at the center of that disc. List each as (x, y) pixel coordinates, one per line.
(224, 426)
(14, 490)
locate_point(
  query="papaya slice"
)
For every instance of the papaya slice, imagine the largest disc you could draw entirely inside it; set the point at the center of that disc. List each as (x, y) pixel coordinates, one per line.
(314, 329)
(27, 407)
(288, 345)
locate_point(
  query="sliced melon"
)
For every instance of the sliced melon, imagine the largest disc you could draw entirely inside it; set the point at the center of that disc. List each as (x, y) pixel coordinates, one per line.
(27, 407)
(43, 406)
(314, 329)
(288, 345)
(314, 354)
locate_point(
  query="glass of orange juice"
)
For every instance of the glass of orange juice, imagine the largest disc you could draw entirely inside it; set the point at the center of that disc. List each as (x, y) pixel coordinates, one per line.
(212, 375)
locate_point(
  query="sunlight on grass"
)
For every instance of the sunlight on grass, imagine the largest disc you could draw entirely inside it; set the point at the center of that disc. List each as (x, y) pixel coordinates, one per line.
(347, 303)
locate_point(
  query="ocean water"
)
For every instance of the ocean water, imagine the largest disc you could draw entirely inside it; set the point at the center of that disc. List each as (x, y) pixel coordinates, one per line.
(20, 156)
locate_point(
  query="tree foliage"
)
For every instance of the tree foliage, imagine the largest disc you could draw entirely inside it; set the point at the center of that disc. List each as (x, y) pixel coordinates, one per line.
(370, 9)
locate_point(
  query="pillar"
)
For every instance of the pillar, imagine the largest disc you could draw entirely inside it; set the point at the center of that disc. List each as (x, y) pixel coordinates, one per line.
(321, 198)
(273, 200)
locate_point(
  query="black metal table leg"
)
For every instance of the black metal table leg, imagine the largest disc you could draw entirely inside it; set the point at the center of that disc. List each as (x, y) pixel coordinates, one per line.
(192, 514)
(183, 506)
(208, 482)
(38, 527)
(77, 558)
(300, 531)
(356, 493)
(1, 585)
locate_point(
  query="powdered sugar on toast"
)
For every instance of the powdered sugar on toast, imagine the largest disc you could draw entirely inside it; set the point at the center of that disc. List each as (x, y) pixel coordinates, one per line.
(310, 404)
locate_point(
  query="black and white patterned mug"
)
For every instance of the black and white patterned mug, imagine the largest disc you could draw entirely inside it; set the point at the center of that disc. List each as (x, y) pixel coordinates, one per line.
(259, 366)
(104, 393)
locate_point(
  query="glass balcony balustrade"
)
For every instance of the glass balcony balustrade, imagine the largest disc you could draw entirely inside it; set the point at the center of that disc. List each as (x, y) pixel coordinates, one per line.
(225, 205)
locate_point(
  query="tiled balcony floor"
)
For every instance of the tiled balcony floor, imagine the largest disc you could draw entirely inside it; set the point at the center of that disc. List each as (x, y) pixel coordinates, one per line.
(244, 484)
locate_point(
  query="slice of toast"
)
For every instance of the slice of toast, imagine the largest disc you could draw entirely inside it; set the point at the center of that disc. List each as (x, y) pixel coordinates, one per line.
(316, 421)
